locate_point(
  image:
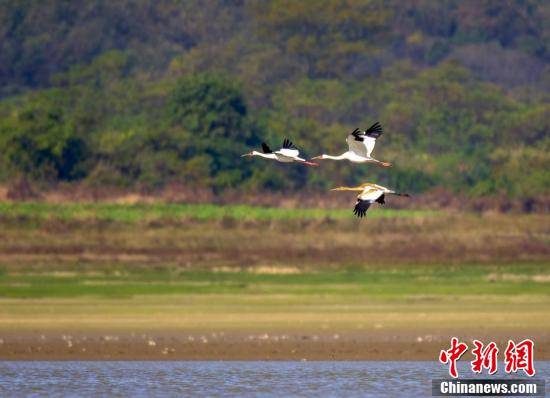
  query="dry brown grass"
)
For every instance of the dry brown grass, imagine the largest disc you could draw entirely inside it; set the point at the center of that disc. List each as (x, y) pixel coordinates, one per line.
(438, 198)
(449, 238)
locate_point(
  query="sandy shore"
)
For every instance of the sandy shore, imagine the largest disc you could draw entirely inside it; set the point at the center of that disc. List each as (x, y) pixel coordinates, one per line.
(371, 345)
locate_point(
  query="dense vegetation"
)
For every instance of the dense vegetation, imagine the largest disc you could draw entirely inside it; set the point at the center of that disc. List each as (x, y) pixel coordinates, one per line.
(136, 93)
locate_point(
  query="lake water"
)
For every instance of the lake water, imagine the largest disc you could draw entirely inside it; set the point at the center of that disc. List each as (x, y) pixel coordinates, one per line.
(251, 378)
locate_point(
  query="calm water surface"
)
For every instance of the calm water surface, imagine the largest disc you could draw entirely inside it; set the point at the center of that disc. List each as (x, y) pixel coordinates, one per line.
(258, 379)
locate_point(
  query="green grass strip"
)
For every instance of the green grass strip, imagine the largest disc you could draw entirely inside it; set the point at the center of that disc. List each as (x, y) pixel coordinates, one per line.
(158, 211)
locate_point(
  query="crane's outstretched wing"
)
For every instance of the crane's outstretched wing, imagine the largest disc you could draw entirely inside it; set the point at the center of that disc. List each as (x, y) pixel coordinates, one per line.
(288, 149)
(287, 144)
(266, 148)
(361, 207)
(370, 195)
(370, 135)
(374, 131)
(355, 143)
(362, 142)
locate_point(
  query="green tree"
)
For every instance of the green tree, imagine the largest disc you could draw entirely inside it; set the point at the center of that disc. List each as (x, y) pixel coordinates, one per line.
(212, 109)
(39, 140)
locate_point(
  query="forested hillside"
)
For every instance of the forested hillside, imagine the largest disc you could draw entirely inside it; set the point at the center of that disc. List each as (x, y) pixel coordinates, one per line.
(139, 94)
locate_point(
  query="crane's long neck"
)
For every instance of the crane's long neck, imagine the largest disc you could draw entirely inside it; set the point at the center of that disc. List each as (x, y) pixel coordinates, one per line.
(348, 189)
(339, 157)
(264, 155)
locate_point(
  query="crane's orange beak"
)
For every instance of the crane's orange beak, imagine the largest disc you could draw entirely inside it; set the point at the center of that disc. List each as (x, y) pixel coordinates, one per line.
(246, 154)
(317, 157)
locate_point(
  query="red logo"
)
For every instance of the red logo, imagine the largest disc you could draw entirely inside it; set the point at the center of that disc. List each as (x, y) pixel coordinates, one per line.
(484, 358)
(520, 356)
(516, 357)
(452, 355)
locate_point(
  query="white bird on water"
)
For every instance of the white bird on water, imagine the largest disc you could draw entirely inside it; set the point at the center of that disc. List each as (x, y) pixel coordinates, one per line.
(361, 144)
(287, 154)
(370, 193)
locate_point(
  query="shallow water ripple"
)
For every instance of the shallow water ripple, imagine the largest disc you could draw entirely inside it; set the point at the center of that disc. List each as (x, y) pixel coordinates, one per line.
(221, 379)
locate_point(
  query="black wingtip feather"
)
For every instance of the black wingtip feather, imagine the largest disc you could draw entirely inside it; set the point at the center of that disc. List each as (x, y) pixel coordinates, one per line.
(266, 148)
(374, 131)
(287, 144)
(361, 207)
(357, 134)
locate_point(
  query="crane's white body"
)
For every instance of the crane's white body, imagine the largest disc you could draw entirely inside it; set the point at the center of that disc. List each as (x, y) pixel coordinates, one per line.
(287, 154)
(373, 192)
(364, 148)
(351, 156)
(282, 156)
(369, 191)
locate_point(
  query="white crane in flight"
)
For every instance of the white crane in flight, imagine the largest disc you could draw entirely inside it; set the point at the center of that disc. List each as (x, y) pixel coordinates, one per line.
(287, 154)
(370, 193)
(361, 145)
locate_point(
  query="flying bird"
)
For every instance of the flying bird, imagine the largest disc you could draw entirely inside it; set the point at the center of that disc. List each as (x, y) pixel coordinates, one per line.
(287, 154)
(370, 193)
(361, 144)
